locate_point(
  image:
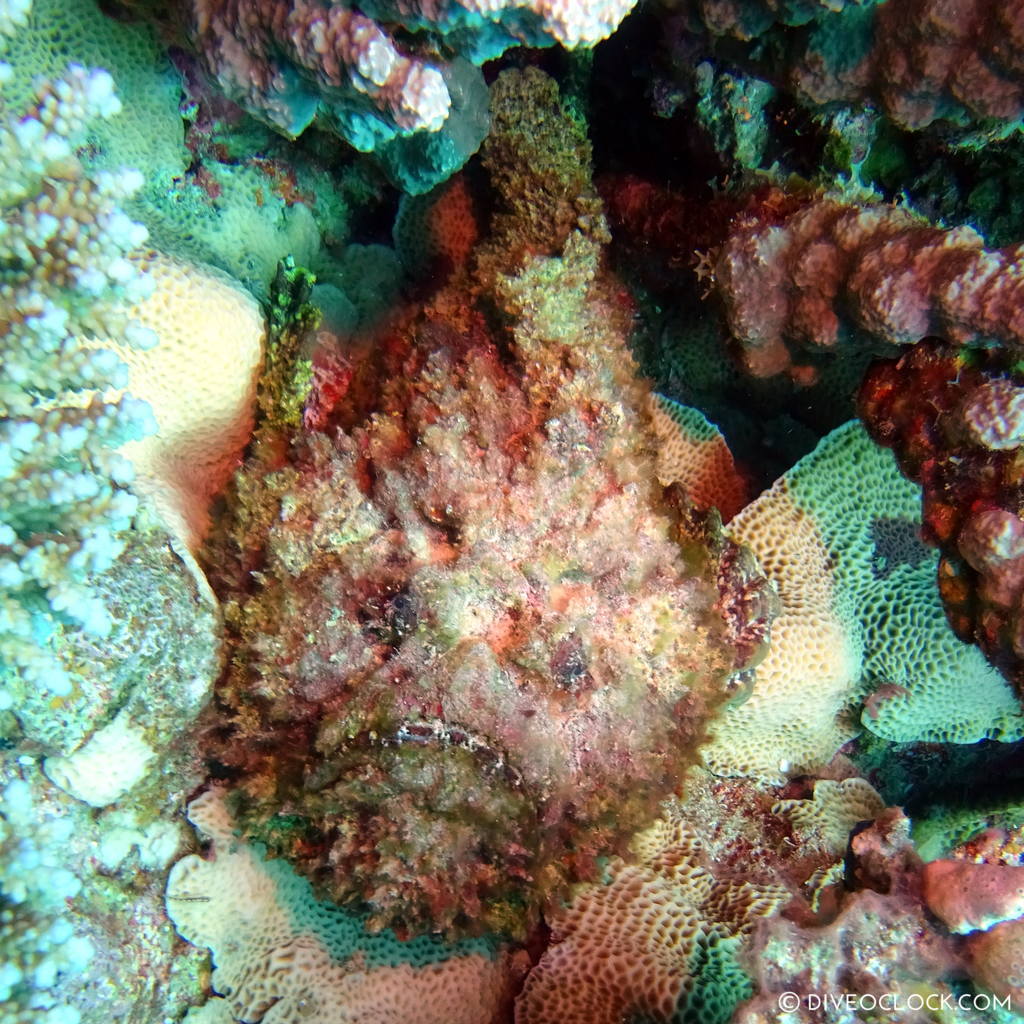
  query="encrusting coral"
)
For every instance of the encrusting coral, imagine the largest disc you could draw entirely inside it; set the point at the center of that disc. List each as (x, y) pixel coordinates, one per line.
(860, 618)
(661, 936)
(692, 451)
(199, 382)
(257, 916)
(447, 602)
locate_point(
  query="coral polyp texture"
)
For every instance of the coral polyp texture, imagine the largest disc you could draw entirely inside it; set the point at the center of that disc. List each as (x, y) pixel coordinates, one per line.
(465, 588)
(953, 418)
(860, 621)
(927, 61)
(660, 941)
(199, 382)
(692, 451)
(256, 915)
(920, 62)
(835, 274)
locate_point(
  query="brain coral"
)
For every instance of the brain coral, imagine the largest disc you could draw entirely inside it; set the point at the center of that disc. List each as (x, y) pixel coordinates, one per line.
(838, 536)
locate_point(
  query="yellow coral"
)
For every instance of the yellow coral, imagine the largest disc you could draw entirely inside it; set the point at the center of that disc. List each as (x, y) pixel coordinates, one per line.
(200, 381)
(835, 809)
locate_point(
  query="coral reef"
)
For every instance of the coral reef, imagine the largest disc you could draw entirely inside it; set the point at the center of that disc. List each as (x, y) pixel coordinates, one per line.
(860, 620)
(952, 418)
(524, 707)
(665, 932)
(257, 915)
(920, 62)
(323, 59)
(927, 62)
(881, 951)
(835, 273)
(65, 278)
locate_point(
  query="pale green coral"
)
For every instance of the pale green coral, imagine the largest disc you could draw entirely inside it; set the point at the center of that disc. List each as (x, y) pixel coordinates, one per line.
(922, 683)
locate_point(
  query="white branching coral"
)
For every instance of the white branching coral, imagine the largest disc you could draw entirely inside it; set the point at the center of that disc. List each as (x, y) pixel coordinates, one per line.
(64, 279)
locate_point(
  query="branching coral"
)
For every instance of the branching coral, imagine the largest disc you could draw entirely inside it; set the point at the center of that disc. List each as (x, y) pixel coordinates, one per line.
(920, 61)
(746, 19)
(928, 61)
(65, 278)
(835, 273)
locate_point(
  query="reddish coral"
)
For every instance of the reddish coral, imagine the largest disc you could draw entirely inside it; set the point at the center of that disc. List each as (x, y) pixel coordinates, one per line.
(436, 233)
(997, 961)
(881, 947)
(973, 897)
(937, 407)
(834, 273)
(932, 59)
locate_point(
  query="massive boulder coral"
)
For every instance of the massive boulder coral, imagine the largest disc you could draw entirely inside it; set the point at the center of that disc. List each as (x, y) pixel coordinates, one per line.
(199, 382)
(448, 603)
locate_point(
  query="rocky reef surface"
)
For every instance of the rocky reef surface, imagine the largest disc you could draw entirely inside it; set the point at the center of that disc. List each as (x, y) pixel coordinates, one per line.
(512, 512)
